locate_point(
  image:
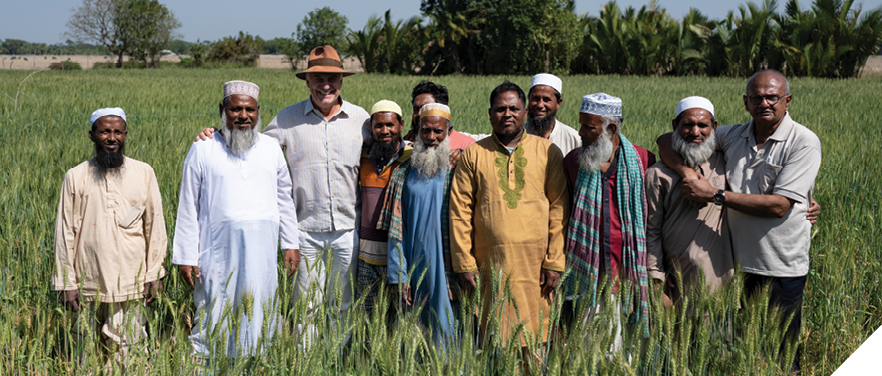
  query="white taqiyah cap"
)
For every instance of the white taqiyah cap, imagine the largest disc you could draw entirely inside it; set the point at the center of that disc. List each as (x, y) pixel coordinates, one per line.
(601, 104)
(241, 87)
(548, 80)
(386, 106)
(695, 102)
(109, 111)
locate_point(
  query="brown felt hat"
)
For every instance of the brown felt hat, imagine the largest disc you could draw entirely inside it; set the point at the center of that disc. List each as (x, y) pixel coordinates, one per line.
(323, 59)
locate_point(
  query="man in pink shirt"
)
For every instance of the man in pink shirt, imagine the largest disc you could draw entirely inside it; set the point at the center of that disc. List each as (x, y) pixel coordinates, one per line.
(427, 92)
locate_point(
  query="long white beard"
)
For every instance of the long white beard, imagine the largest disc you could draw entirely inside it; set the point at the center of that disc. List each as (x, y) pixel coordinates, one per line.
(240, 142)
(592, 156)
(427, 160)
(694, 154)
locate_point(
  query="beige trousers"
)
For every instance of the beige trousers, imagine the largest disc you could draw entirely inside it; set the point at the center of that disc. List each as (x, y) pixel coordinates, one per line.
(114, 325)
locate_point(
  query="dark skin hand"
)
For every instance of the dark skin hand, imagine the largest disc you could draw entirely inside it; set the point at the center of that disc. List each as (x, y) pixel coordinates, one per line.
(548, 280)
(188, 272)
(71, 300)
(151, 291)
(467, 281)
(405, 293)
(292, 261)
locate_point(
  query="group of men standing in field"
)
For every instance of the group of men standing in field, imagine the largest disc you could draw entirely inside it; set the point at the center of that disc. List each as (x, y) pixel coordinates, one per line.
(353, 201)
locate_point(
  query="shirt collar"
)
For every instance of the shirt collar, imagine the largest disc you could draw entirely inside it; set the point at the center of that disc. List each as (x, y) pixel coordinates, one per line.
(344, 107)
(521, 141)
(780, 133)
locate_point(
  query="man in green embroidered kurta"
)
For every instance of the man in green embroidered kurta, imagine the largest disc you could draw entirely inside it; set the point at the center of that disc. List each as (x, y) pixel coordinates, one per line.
(508, 209)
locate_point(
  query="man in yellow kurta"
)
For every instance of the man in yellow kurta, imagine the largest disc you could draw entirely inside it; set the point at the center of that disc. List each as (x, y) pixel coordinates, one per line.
(508, 209)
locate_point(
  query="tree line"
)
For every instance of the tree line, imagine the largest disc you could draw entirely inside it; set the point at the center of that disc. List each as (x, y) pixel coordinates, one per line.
(830, 38)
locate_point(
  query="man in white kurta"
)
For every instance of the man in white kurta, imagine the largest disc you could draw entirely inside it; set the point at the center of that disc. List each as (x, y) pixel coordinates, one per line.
(235, 205)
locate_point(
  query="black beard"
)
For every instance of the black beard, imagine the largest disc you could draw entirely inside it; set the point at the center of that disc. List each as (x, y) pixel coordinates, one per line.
(383, 152)
(108, 160)
(542, 125)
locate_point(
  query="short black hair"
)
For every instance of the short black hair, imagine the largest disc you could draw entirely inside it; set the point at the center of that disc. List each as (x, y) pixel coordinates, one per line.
(125, 123)
(439, 92)
(507, 86)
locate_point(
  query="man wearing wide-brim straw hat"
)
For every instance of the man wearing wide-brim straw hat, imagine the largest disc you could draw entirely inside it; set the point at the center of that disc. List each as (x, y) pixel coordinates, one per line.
(323, 137)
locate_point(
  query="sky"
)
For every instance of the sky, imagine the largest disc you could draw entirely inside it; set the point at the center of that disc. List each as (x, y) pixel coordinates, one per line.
(45, 20)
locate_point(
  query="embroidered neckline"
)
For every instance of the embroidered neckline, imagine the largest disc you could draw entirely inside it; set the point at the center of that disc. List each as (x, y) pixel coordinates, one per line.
(511, 196)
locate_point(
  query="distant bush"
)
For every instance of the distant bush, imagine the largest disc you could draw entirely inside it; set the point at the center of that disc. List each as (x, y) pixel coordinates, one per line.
(65, 65)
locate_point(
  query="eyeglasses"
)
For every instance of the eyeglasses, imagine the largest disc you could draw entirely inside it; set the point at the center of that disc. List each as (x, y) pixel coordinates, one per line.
(757, 99)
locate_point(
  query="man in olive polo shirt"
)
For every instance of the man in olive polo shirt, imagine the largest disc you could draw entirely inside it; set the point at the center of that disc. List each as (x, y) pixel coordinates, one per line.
(771, 166)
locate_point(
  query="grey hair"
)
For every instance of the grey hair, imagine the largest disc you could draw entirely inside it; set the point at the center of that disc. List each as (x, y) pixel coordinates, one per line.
(617, 120)
(449, 124)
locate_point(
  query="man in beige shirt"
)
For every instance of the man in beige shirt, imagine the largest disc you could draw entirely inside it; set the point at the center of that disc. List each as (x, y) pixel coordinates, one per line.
(110, 239)
(679, 236)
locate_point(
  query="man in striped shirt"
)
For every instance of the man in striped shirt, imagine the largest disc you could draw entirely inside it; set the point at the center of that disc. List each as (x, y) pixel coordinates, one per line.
(322, 137)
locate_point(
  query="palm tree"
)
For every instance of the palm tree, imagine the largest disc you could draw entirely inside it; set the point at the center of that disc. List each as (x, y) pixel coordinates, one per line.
(364, 44)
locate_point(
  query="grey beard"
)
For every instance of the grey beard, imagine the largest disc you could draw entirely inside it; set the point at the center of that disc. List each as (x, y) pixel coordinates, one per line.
(428, 161)
(240, 142)
(541, 126)
(592, 156)
(694, 154)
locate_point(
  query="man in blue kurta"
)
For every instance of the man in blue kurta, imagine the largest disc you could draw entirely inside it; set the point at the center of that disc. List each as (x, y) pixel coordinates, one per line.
(415, 213)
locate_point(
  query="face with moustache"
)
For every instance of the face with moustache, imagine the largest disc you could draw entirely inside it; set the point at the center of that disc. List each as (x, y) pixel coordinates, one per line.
(597, 145)
(109, 135)
(431, 152)
(767, 98)
(240, 122)
(693, 136)
(507, 114)
(386, 134)
(542, 108)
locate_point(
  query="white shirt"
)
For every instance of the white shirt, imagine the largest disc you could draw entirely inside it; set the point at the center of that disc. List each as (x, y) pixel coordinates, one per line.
(232, 211)
(565, 137)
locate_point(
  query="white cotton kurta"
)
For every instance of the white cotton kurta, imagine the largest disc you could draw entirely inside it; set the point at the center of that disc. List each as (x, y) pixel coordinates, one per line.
(232, 212)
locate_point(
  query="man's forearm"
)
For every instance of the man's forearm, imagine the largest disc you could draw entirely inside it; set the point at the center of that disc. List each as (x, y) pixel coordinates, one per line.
(671, 158)
(759, 205)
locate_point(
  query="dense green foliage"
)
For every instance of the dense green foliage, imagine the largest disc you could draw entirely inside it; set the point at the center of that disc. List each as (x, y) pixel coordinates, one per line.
(48, 135)
(320, 27)
(833, 38)
(69, 47)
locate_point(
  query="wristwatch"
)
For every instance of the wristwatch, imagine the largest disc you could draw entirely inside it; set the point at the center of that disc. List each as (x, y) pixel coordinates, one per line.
(720, 197)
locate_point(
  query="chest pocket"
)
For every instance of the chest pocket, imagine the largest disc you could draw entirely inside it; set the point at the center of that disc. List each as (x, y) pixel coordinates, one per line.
(129, 216)
(768, 176)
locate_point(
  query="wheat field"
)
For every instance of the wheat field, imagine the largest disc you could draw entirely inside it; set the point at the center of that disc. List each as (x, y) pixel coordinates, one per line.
(48, 134)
